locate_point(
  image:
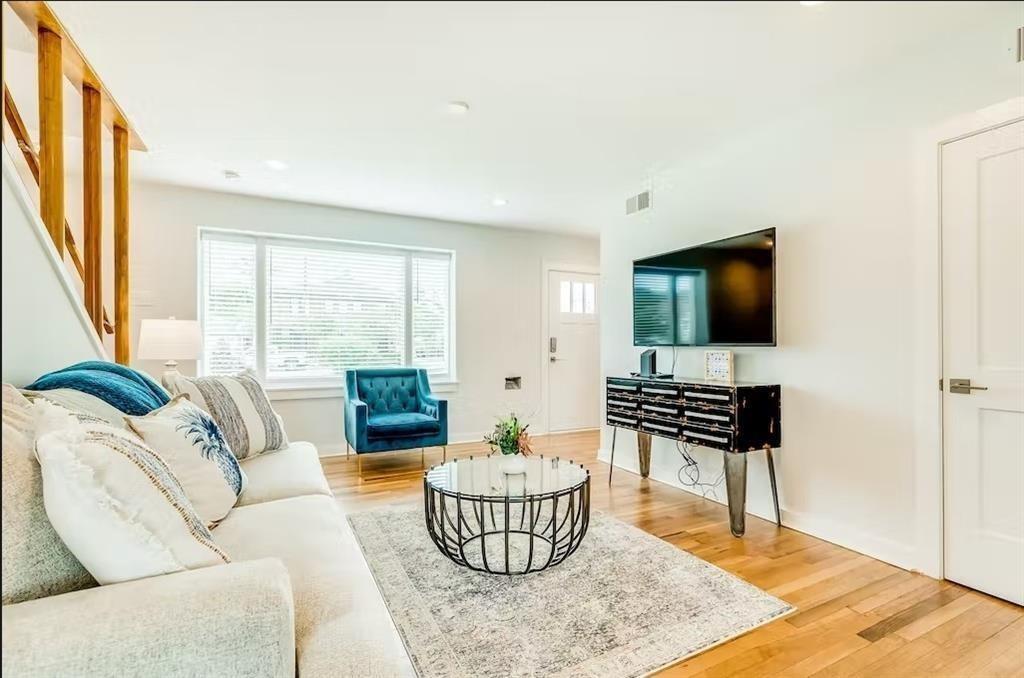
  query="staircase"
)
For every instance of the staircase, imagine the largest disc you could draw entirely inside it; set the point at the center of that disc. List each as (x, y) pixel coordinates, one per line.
(60, 61)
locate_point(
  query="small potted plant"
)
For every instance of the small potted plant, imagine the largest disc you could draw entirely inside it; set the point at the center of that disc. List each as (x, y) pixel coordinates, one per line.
(511, 439)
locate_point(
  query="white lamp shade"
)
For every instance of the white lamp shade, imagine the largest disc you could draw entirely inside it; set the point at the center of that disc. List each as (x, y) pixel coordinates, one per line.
(170, 339)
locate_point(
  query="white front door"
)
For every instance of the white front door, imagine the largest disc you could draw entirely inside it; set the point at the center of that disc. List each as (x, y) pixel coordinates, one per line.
(572, 351)
(983, 341)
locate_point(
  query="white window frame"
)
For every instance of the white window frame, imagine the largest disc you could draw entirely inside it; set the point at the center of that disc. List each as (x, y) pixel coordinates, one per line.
(310, 387)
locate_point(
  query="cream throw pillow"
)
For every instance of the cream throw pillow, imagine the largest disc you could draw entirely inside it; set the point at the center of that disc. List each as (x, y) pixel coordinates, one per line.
(192, 445)
(241, 409)
(115, 503)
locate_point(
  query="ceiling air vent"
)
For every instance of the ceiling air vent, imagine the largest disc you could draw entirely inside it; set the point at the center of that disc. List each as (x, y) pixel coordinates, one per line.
(640, 201)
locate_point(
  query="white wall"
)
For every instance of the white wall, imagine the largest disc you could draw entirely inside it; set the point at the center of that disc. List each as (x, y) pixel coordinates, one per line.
(838, 181)
(498, 295)
(44, 323)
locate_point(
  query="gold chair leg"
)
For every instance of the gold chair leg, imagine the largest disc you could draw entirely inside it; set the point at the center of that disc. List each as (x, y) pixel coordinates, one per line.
(348, 451)
(359, 464)
(444, 453)
(422, 453)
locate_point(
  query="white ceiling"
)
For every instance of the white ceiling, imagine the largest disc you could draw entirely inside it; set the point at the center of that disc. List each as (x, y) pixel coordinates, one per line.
(572, 104)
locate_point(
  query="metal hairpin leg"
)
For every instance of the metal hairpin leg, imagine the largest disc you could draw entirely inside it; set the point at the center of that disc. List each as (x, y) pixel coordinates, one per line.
(348, 450)
(444, 453)
(775, 489)
(422, 453)
(611, 462)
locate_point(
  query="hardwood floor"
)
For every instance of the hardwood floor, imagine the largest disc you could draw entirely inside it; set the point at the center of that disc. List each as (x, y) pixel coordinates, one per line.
(857, 617)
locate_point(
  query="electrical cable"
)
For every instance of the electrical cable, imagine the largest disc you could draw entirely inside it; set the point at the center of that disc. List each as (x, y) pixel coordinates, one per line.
(691, 470)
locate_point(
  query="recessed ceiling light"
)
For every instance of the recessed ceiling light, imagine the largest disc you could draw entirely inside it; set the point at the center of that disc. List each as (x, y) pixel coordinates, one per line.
(499, 202)
(458, 107)
(811, 3)
(231, 174)
(276, 165)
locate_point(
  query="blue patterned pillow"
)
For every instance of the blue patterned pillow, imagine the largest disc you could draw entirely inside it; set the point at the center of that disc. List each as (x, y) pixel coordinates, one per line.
(194, 448)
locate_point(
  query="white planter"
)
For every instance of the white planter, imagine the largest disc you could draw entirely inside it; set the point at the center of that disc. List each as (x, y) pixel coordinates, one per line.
(512, 464)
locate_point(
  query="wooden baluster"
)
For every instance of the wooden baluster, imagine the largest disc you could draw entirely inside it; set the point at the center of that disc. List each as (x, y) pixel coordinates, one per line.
(92, 169)
(122, 329)
(51, 136)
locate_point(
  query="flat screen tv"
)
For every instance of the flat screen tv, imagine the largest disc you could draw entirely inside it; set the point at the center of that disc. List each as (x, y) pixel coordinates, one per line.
(721, 293)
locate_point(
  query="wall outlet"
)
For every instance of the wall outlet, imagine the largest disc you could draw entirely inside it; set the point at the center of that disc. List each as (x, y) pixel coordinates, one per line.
(513, 383)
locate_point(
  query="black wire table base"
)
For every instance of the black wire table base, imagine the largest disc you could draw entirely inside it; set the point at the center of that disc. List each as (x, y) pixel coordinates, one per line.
(507, 534)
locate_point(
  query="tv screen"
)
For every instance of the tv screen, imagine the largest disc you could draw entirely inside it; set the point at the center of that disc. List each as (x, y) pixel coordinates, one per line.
(720, 293)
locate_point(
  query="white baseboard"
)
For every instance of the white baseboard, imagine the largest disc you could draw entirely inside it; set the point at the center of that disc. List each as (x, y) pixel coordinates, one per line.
(339, 449)
(879, 548)
(886, 550)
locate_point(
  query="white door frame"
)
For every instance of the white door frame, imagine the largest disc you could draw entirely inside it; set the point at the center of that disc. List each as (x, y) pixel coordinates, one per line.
(546, 268)
(929, 484)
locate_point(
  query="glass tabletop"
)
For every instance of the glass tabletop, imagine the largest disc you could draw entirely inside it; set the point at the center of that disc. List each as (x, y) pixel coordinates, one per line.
(499, 475)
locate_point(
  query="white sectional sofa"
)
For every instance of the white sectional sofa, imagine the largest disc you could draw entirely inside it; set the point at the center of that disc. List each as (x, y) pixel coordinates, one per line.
(297, 598)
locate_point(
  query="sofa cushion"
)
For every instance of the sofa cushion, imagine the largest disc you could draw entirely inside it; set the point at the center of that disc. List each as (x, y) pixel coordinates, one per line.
(342, 627)
(292, 472)
(400, 425)
(36, 561)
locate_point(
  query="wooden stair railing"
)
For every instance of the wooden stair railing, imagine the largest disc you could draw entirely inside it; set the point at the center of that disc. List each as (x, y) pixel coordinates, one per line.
(32, 160)
(59, 58)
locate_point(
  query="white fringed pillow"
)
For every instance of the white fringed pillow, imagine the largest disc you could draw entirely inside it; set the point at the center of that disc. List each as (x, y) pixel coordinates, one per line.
(115, 503)
(195, 450)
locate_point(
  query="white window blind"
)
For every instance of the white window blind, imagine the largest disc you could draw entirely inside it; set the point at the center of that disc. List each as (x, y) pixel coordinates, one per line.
(325, 307)
(330, 310)
(431, 295)
(228, 305)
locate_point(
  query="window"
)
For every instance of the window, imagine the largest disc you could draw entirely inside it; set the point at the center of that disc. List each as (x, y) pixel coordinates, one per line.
(301, 311)
(577, 297)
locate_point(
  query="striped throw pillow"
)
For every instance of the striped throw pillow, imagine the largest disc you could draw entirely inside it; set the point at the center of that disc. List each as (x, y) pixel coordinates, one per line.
(241, 409)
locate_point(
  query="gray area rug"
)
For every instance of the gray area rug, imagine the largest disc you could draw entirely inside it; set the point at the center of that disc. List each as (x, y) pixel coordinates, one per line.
(626, 603)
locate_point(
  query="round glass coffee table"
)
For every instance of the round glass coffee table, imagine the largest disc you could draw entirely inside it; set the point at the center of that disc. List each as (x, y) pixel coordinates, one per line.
(507, 516)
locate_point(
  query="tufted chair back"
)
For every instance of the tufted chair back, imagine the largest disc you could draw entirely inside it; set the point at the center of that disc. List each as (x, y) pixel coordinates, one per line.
(388, 391)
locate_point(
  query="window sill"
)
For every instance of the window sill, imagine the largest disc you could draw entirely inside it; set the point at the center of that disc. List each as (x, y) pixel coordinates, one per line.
(313, 392)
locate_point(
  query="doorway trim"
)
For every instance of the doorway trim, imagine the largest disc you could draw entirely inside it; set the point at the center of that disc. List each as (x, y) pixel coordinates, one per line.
(929, 485)
(547, 267)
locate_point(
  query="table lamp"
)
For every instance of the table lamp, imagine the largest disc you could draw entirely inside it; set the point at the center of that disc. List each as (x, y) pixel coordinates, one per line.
(170, 339)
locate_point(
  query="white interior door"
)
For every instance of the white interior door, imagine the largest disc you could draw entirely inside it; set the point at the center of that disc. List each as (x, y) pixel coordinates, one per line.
(983, 341)
(572, 351)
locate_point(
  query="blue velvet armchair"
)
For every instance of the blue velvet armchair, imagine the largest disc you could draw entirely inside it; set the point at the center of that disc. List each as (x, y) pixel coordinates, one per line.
(393, 409)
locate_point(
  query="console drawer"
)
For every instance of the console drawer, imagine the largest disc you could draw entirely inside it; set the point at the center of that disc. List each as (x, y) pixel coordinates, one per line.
(616, 402)
(708, 395)
(721, 440)
(666, 391)
(623, 420)
(708, 417)
(623, 387)
(661, 409)
(661, 428)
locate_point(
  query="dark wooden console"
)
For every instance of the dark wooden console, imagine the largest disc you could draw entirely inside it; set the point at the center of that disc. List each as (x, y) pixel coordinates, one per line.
(734, 418)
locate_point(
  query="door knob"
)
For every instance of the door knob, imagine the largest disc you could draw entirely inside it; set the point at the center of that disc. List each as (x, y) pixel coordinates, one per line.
(553, 359)
(963, 386)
